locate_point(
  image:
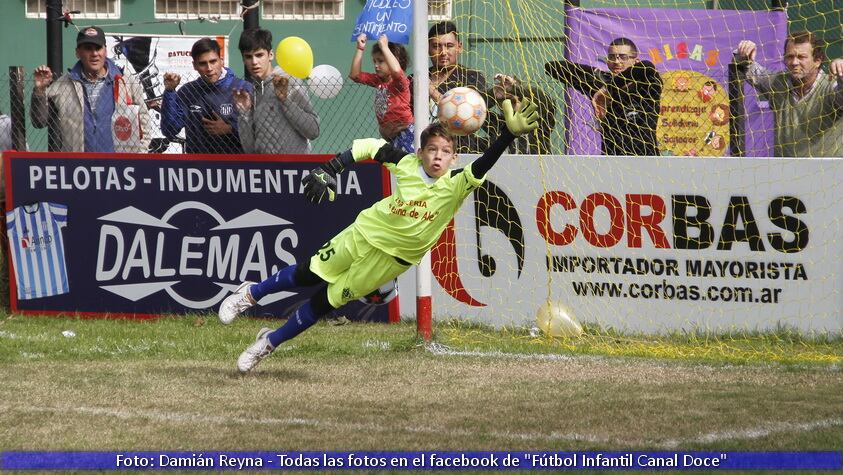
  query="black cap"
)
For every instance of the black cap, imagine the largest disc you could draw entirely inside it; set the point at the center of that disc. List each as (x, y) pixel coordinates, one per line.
(91, 34)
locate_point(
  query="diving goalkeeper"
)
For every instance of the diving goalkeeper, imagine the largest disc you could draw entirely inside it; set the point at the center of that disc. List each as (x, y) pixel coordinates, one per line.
(386, 238)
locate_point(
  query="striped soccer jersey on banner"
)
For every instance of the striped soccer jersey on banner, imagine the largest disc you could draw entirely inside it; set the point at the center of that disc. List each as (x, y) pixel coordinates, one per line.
(37, 249)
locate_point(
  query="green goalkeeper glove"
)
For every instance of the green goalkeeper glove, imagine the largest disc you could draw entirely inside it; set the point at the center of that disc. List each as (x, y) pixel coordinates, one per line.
(319, 183)
(521, 122)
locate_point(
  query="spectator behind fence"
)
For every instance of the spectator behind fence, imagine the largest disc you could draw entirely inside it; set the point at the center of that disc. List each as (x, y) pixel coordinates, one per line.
(281, 118)
(80, 106)
(444, 48)
(509, 87)
(5, 132)
(807, 101)
(393, 99)
(205, 106)
(626, 99)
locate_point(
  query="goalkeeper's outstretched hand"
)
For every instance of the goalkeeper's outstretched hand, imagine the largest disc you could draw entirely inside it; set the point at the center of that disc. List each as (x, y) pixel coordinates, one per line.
(521, 122)
(319, 183)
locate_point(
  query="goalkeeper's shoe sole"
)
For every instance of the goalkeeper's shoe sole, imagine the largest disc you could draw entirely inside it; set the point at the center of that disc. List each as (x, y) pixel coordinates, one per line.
(256, 352)
(236, 303)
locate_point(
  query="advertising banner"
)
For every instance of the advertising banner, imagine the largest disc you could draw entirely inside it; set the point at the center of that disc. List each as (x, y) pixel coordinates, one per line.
(692, 49)
(140, 235)
(649, 245)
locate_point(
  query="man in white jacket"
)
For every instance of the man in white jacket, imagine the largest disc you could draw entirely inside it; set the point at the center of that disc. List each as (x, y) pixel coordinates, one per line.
(807, 101)
(79, 105)
(280, 118)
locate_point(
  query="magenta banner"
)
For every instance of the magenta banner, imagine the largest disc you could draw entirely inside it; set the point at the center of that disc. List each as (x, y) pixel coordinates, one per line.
(691, 49)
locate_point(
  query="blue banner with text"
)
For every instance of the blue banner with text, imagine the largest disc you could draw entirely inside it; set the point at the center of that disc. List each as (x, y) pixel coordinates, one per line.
(393, 18)
(492, 461)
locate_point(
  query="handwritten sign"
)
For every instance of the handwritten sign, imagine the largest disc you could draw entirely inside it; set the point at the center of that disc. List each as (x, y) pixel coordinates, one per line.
(393, 18)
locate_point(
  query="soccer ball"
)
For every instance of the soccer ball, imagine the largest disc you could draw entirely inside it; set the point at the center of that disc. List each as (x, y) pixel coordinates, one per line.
(462, 110)
(556, 320)
(383, 294)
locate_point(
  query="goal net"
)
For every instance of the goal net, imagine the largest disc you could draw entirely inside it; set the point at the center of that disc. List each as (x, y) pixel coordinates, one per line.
(631, 209)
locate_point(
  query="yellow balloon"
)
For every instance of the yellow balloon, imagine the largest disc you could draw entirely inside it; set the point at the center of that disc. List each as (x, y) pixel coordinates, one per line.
(295, 56)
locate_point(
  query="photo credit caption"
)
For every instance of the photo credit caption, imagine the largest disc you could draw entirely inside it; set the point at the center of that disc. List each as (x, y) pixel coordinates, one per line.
(417, 461)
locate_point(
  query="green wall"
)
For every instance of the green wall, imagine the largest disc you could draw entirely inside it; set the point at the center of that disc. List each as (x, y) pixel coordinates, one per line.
(25, 39)
(488, 27)
(351, 112)
(824, 17)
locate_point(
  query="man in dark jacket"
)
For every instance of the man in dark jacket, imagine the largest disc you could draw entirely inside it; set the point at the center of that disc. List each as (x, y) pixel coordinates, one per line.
(626, 99)
(204, 107)
(446, 73)
(509, 87)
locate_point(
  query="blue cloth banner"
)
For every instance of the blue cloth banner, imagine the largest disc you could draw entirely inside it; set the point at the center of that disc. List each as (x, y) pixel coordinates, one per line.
(393, 18)
(492, 461)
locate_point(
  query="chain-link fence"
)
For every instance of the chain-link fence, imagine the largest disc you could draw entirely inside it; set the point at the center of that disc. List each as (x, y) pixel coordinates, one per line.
(201, 119)
(60, 118)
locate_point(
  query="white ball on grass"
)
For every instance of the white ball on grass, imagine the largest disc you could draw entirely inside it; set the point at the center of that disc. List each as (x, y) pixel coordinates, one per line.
(556, 320)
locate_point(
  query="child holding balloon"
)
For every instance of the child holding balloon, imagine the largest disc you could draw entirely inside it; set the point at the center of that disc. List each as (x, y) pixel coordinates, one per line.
(393, 99)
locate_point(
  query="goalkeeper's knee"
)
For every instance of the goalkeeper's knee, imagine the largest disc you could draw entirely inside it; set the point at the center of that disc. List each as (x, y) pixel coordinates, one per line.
(305, 277)
(320, 304)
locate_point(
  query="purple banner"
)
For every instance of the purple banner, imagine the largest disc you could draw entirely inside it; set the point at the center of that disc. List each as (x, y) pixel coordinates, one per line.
(692, 50)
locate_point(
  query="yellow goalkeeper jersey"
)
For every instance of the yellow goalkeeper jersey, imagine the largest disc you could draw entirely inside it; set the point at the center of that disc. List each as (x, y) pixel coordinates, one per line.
(408, 223)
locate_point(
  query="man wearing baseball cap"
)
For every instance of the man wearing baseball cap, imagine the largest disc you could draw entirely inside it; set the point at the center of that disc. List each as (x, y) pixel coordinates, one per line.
(79, 105)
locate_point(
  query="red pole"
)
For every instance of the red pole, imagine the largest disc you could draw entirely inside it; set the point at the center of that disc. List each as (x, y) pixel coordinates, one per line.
(424, 321)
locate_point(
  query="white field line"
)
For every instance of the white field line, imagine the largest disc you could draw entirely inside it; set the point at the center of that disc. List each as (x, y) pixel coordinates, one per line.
(754, 433)
(176, 417)
(438, 349)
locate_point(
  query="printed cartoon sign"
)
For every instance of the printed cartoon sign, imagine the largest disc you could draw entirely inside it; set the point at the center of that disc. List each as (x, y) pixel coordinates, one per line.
(694, 115)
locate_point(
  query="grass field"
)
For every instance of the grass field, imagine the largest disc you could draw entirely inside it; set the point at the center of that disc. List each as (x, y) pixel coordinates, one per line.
(171, 384)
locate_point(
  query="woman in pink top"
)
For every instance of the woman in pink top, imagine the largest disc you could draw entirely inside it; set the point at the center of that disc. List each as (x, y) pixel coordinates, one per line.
(394, 94)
